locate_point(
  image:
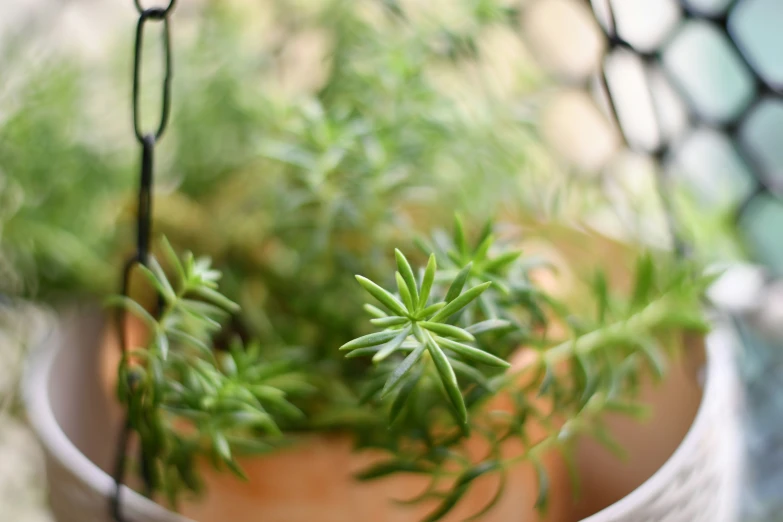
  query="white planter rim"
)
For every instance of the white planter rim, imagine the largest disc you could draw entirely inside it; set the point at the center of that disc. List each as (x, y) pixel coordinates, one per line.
(59, 446)
(718, 344)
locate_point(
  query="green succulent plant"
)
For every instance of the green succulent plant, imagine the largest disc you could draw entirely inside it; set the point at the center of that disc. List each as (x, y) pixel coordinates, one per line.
(432, 370)
(291, 192)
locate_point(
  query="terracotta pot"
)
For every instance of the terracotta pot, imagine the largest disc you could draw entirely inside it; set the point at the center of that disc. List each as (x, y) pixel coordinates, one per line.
(688, 446)
(313, 479)
(78, 426)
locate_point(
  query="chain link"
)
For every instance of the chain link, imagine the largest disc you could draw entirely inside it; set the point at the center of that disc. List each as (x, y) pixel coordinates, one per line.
(147, 140)
(156, 15)
(165, 10)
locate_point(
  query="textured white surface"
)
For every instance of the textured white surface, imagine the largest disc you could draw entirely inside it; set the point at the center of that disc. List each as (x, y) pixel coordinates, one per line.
(60, 385)
(699, 483)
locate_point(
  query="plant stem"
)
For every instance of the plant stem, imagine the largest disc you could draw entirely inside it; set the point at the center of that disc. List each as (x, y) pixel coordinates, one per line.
(622, 331)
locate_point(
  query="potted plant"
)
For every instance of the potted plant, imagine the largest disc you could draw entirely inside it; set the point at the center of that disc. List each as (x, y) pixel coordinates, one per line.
(505, 371)
(483, 382)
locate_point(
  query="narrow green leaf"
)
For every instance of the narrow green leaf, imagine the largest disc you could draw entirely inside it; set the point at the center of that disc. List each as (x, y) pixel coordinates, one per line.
(167, 290)
(407, 274)
(549, 379)
(460, 487)
(162, 343)
(362, 352)
(157, 284)
(591, 380)
(394, 320)
(644, 281)
(427, 281)
(401, 370)
(458, 283)
(499, 493)
(221, 446)
(480, 254)
(248, 446)
(202, 310)
(383, 296)
(448, 379)
(447, 505)
(568, 454)
(384, 469)
(405, 294)
(265, 392)
(236, 469)
(423, 314)
(401, 399)
(190, 340)
(655, 356)
(601, 434)
(217, 298)
(423, 244)
(501, 262)
(637, 411)
(470, 373)
(389, 348)
(486, 232)
(542, 499)
(460, 302)
(133, 307)
(488, 326)
(375, 311)
(172, 258)
(472, 353)
(447, 330)
(372, 339)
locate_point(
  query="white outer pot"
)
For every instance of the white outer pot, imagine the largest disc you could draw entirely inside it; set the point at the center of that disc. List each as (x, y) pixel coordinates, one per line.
(700, 482)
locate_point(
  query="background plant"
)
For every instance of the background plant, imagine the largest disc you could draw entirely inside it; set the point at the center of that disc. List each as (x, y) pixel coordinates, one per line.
(292, 184)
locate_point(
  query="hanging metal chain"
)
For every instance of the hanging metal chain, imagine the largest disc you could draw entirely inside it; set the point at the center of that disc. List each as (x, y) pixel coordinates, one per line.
(147, 140)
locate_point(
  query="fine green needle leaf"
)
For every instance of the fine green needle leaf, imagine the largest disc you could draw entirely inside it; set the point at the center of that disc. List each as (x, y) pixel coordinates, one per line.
(427, 280)
(383, 469)
(472, 353)
(542, 499)
(385, 322)
(447, 330)
(372, 339)
(431, 309)
(388, 348)
(133, 307)
(407, 274)
(405, 294)
(645, 280)
(383, 296)
(458, 284)
(460, 302)
(401, 399)
(448, 379)
(401, 370)
(488, 326)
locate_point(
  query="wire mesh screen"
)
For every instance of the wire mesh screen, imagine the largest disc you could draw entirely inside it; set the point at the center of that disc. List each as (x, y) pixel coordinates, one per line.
(697, 87)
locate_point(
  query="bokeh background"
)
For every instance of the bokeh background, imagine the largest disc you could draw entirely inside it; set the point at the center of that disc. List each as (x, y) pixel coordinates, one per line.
(264, 92)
